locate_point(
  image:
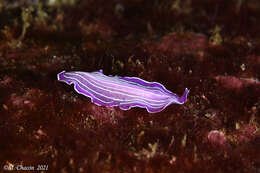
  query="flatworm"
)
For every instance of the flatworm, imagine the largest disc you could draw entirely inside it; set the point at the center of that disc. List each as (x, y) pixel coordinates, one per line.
(125, 92)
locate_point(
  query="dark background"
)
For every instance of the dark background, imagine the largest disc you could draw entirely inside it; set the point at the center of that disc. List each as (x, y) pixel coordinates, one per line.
(211, 47)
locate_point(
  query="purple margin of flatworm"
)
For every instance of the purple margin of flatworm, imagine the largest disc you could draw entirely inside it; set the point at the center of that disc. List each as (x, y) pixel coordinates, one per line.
(83, 80)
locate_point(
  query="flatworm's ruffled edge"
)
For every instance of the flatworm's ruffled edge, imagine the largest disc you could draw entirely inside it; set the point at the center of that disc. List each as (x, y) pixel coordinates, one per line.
(145, 83)
(181, 100)
(60, 77)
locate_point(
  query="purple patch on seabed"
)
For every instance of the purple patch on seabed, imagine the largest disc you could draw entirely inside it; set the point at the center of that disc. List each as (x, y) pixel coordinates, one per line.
(125, 92)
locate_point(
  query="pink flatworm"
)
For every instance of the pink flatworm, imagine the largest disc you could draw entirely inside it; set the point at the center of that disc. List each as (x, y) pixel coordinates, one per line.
(125, 92)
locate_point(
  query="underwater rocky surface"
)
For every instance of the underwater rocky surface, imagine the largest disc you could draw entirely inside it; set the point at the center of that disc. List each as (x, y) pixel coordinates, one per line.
(210, 47)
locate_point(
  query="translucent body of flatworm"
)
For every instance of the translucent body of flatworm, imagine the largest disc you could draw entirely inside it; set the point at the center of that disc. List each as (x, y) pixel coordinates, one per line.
(125, 92)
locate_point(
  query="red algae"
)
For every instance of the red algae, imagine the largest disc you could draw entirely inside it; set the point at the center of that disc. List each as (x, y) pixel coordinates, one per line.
(105, 115)
(245, 134)
(210, 47)
(6, 81)
(216, 137)
(232, 82)
(182, 43)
